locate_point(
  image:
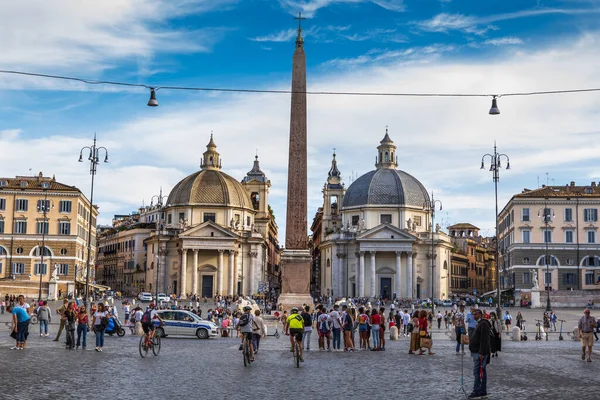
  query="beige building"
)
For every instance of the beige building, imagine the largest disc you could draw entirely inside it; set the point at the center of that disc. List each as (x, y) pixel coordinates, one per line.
(375, 237)
(121, 261)
(36, 210)
(570, 236)
(217, 236)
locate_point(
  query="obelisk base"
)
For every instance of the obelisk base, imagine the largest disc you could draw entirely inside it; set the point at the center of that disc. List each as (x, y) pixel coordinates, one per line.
(295, 279)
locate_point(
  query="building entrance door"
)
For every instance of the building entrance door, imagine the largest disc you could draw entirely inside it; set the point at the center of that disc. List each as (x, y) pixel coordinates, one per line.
(207, 286)
(385, 287)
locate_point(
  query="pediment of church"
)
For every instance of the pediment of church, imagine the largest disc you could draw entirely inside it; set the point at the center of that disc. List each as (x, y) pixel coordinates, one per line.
(386, 232)
(208, 229)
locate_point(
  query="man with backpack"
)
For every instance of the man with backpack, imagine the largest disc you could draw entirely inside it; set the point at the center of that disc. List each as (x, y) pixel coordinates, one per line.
(324, 329)
(147, 321)
(246, 323)
(295, 329)
(480, 347)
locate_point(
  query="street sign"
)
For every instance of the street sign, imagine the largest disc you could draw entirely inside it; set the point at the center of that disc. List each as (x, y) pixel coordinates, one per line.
(474, 291)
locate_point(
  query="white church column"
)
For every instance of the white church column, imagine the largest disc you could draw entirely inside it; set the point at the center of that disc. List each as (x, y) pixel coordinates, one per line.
(231, 280)
(252, 268)
(409, 276)
(398, 274)
(373, 274)
(339, 279)
(236, 272)
(361, 272)
(183, 280)
(195, 274)
(220, 273)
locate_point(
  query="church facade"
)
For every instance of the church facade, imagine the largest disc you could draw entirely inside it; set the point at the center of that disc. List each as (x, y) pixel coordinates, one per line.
(375, 237)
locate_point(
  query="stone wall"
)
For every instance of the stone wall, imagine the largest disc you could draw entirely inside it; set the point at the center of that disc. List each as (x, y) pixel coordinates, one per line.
(568, 298)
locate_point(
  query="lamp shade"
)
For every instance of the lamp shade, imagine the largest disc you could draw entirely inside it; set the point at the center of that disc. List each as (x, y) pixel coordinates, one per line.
(493, 111)
(154, 103)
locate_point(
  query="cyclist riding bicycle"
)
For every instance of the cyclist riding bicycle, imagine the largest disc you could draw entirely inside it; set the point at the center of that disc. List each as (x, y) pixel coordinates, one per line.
(246, 324)
(294, 326)
(148, 322)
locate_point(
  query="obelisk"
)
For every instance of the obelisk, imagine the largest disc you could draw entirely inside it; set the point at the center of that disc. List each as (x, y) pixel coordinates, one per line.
(296, 259)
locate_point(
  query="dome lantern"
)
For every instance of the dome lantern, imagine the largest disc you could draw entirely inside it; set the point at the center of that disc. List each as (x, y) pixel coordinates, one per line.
(211, 158)
(386, 151)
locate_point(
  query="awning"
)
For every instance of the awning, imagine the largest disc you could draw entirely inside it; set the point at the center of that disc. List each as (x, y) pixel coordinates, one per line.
(494, 292)
(101, 288)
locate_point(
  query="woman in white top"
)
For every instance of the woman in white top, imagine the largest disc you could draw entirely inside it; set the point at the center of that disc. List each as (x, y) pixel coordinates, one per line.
(98, 326)
(259, 329)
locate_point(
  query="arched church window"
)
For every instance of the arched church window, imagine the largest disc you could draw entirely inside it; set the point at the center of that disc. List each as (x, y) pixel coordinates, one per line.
(387, 158)
(255, 197)
(211, 160)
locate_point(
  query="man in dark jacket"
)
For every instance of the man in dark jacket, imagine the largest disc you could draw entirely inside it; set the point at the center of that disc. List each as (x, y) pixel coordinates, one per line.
(480, 347)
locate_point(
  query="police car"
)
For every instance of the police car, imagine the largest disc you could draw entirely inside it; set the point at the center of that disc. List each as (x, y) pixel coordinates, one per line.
(184, 323)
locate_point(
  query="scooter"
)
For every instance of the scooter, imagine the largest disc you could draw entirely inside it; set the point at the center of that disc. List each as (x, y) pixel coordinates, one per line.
(115, 326)
(560, 336)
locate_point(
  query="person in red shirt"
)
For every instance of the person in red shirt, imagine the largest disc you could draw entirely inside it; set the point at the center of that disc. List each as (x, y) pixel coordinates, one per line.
(375, 325)
(423, 330)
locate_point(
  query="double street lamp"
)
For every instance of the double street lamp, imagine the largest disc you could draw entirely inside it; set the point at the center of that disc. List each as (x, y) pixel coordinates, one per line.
(495, 166)
(41, 271)
(160, 204)
(94, 160)
(547, 214)
(430, 206)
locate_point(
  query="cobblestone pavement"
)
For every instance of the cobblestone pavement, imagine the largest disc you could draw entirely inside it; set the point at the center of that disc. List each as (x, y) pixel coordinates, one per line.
(213, 369)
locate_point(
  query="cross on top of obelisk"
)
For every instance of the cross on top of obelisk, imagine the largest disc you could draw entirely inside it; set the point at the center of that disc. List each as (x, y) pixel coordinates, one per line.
(299, 18)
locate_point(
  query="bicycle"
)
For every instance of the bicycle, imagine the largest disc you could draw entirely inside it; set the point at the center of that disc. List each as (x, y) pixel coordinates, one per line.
(33, 319)
(147, 343)
(296, 353)
(246, 352)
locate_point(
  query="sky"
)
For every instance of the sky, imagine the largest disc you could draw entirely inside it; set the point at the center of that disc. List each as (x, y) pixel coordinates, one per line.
(425, 46)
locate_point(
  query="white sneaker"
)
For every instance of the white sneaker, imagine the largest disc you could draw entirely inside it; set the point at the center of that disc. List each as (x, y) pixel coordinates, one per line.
(14, 348)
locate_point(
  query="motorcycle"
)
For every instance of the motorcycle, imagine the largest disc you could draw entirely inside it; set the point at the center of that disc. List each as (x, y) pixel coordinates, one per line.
(115, 326)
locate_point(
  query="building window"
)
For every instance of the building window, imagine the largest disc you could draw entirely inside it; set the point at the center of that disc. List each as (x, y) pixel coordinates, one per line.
(43, 205)
(21, 227)
(526, 260)
(591, 237)
(526, 277)
(1, 226)
(590, 215)
(553, 260)
(23, 184)
(548, 278)
(591, 261)
(65, 206)
(3, 183)
(22, 204)
(18, 268)
(43, 267)
(525, 215)
(19, 250)
(568, 214)
(170, 219)
(181, 217)
(2, 204)
(547, 236)
(64, 228)
(42, 227)
(63, 269)
(386, 218)
(569, 236)
(355, 219)
(418, 220)
(526, 236)
(63, 252)
(210, 217)
(569, 261)
(589, 278)
(248, 221)
(2, 251)
(569, 278)
(38, 251)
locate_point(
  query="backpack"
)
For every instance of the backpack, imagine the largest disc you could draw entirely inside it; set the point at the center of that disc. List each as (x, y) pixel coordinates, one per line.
(324, 326)
(147, 317)
(411, 327)
(244, 319)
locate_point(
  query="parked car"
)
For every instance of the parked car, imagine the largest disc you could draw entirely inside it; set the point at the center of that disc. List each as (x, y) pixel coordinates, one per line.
(145, 296)
(163, 298)
(447, 303)
(184, 323)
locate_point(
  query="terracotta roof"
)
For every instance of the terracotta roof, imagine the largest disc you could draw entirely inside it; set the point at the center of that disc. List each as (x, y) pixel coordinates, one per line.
(35, 183)
(592, 190)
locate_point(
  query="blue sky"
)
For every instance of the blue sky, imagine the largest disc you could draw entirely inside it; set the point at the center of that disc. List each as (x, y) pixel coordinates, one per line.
(351, 45)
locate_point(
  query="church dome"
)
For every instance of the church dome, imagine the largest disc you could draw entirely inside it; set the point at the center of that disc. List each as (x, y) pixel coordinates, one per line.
(210, 186)
(386, 187)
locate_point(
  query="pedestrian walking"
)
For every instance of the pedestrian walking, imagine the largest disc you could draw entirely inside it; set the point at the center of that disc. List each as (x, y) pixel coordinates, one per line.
(413, 331)
(307, 317)
(507, 321)
(259, 330)
(60, 311)
(44, 317)
(100, 323)
(83, 325)
(139, 330)
(439, 317)
(470, 321)
(459, 328)
(375, 326)
(70, 319)
(324, 329)
(586, 327)
(424, 332)
(480, 348)
(496, 340)
(336, 327)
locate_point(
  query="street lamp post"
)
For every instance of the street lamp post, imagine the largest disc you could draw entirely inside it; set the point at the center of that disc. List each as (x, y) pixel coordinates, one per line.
(547, 214)
(430, 205)
(160, 204)
(43, 249)
(495, 165)
(94, 161)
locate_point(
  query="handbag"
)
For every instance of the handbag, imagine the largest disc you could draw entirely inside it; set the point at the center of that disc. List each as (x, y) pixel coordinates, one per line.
(422, 334)
(13, 334)
(464, 339)
(426, 342)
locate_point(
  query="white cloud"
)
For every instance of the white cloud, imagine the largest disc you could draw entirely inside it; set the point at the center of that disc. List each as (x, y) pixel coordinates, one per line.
(282, 36)
(74, 35)
(377, 35)
(310, 7)
(503, 41)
